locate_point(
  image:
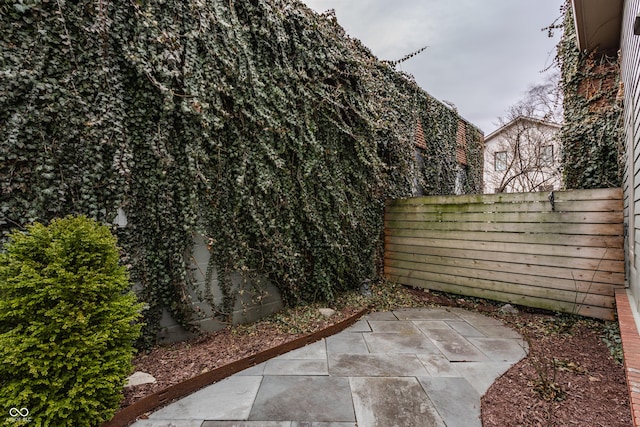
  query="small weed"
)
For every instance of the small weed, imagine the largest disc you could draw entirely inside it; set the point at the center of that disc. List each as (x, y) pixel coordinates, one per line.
(611, 337)
(545, 383)
(546, 368)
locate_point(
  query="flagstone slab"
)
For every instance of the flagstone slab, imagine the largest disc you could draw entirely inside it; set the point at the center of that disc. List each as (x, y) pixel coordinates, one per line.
(453, 345)
(296, 367)
(247, 424)
(438, 366)
(482, 374)
(501, 349)
(455, 400)
(398, 326)
(413, 342)
(299, 398)
(275, 424)
(321, 424)
(347, 342)
(380, 315)
(254, 370)
(426, 314)
(384, 402)
(316, 350)
(167, 423)
(229, 399)
(360, 326)
(464, 329)
(375, 365)
(428, 325)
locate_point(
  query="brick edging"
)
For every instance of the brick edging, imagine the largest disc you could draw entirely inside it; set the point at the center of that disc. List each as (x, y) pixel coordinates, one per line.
(631, 350)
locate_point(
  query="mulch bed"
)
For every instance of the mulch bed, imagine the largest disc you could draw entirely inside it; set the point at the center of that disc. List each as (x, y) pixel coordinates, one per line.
(569, 378)
(174, 363)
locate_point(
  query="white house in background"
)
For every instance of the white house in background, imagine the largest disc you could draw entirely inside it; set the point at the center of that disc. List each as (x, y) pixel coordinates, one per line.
(522, 156)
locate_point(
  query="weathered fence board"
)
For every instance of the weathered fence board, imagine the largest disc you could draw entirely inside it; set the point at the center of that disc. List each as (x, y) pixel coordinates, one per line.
(512, 247)
(602, 218)
(515, 227)
(566, 206)
(483, 239)
(584, 251)
(613, 265)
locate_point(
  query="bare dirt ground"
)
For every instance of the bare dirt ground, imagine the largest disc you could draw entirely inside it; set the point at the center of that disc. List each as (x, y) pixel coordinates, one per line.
(569, 377)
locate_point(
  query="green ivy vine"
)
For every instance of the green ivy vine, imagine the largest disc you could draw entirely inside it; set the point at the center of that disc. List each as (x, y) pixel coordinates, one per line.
(592, 134)
(256, 123)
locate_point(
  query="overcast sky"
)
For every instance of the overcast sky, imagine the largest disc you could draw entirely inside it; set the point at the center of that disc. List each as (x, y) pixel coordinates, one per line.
(482, 55)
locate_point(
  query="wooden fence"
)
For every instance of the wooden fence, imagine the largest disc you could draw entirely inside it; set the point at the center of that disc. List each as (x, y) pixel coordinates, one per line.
(563, 255)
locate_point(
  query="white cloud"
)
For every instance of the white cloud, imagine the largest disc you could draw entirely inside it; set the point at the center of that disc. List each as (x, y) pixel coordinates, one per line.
(482, 55)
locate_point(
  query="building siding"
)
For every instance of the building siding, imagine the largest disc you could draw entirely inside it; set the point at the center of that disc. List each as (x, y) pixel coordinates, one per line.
(630, 69)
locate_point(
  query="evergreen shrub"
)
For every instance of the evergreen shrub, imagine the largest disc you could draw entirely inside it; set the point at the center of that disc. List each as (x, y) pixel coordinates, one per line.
(67, 324)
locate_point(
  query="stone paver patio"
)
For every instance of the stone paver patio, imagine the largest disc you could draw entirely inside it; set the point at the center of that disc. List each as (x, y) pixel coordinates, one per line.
(410, 367)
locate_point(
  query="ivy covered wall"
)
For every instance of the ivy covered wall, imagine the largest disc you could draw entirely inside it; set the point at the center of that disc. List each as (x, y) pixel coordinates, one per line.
(256, 123)
(591, 136)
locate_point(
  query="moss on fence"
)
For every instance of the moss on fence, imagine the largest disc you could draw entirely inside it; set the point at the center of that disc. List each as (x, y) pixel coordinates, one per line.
(257, 123)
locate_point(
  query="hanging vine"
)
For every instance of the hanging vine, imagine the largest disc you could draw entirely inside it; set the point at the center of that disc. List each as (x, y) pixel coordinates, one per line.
(592, 134)
(256, 123)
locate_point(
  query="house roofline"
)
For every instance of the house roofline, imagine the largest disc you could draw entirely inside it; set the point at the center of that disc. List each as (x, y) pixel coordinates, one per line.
(598, 24)
(519, 119)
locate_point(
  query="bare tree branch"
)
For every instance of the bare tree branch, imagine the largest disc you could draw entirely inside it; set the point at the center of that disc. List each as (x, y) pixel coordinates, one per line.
(528, 143)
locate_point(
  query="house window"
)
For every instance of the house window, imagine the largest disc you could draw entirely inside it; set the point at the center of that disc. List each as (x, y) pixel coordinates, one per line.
(500, 161)
(546, 155)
